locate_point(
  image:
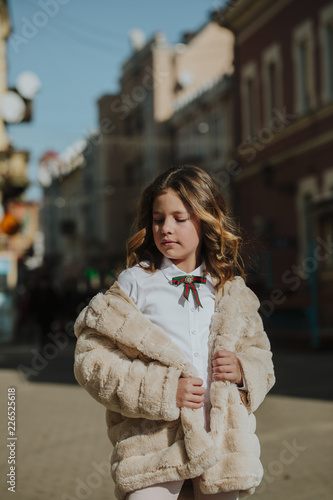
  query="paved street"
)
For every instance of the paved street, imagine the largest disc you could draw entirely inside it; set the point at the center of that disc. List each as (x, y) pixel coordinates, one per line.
(62, 451)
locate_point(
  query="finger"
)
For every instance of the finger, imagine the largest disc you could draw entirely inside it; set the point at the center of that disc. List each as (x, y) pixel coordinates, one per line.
(222, 353)
(196, 381)
(192, 398)
(223, 368)
(231, 377)
(194, 406)
(221, 372)
(219, 377)
(188, 384)
(193, 395)
(223, 361)
(227, 355)
(197, 390)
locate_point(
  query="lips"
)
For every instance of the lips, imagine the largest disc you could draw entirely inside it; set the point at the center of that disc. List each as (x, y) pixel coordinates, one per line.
(169, 243)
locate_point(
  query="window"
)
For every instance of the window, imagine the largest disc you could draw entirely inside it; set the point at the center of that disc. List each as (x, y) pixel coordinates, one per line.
(128, 126)
(133, 174)
(328, 183)
(272, 80)
(325, 224)
(326, 40)
(249, 93)
(304, 71)
(219, 132)
(130, 174)
(307, 193)
(182, 142)
(329, 37)
(201, 137)
(272, 85)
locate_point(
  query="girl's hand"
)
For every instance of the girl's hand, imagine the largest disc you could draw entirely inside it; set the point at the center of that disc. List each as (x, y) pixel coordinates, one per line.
(190, 392)
(227, 367)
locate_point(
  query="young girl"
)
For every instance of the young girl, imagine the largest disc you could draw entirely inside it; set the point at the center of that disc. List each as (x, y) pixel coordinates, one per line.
(176, 351)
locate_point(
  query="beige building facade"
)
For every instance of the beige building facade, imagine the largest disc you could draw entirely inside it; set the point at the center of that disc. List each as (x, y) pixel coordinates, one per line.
(203, 131)
(74, 217)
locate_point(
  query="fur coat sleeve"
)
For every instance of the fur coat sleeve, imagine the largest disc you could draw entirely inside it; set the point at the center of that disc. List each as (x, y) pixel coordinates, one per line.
(252, 348)
(118, 375)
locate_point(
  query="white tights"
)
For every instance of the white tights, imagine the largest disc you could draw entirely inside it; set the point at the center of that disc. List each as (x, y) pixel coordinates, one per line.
(171, 490)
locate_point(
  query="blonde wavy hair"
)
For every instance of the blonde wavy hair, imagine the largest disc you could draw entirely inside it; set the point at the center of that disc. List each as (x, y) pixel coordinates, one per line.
(220, 235)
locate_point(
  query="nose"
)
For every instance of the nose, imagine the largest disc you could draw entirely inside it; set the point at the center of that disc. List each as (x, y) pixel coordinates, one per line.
(166, 227)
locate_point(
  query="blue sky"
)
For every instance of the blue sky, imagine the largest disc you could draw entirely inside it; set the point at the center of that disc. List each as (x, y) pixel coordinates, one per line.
(77, 47)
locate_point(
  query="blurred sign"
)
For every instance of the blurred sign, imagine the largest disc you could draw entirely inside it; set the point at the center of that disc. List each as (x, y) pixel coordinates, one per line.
(7, 317)
(8, 270)
(5, 266)
(93, 277)
(9, 224)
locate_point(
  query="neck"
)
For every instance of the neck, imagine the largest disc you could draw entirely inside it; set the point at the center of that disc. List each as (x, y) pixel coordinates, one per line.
(187, 267)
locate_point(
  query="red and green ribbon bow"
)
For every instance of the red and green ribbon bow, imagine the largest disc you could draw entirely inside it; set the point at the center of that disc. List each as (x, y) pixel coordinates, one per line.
(189, 284)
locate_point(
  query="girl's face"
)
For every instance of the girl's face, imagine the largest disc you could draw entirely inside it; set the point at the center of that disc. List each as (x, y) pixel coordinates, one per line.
(176, 231)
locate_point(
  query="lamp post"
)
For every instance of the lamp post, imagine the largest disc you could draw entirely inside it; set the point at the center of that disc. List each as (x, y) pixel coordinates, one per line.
(15, 104)
(15, 107)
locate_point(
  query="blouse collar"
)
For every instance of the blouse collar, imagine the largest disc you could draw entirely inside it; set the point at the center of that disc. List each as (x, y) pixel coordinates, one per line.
(170, 270)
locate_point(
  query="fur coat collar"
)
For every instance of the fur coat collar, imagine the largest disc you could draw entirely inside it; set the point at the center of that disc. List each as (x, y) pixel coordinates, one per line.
(132, 368)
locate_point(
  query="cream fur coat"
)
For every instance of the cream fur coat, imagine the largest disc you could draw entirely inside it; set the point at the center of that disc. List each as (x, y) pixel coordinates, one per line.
(132, 368)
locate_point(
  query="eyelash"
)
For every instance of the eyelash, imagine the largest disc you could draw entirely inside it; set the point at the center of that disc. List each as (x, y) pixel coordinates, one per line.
(158, 221)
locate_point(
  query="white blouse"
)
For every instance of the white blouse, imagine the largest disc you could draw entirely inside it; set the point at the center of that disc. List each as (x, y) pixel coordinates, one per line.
(163, 303)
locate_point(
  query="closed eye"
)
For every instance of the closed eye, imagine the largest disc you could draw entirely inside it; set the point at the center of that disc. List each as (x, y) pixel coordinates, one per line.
(158, 221)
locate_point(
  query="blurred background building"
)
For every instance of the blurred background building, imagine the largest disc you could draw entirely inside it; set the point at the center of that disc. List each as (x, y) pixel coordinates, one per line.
(248, 97)
(284, 146)
(241, 97)
(142, 131)
(19, 227)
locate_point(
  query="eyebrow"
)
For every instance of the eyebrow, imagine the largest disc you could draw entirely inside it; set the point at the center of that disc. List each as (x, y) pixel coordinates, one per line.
(178, 212)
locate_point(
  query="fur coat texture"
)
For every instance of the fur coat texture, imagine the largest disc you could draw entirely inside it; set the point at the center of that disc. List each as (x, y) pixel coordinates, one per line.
(132, 367)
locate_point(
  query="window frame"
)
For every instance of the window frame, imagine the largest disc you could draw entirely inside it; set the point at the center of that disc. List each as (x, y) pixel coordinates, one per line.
(249, 73)
(326, 20)
(272, 55)
(304, 34)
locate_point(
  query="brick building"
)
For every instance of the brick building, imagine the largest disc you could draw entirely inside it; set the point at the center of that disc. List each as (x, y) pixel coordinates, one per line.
(284, 148)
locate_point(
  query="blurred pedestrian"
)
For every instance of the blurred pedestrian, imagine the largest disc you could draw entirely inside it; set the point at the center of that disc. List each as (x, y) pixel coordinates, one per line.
(44, 305)
(176, 350)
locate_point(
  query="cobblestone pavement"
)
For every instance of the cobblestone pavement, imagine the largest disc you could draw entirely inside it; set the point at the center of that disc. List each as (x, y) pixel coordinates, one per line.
(62, 451)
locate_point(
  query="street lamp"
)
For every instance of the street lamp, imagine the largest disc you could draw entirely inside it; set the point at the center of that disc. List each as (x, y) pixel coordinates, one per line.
(13, 107)
(28, 84)
(15, 103)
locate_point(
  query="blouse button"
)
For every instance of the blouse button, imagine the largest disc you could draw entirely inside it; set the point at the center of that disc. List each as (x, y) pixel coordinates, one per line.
(196, 354)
